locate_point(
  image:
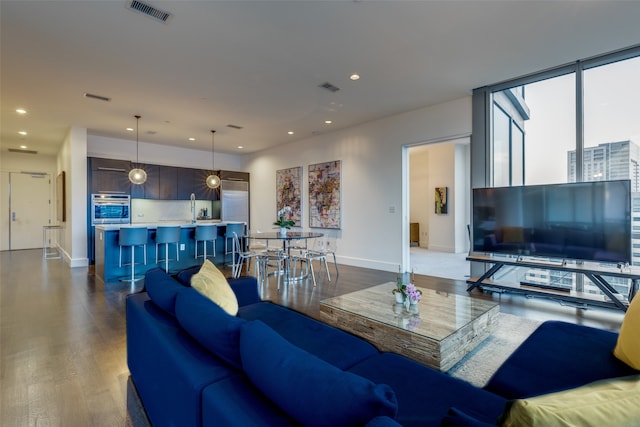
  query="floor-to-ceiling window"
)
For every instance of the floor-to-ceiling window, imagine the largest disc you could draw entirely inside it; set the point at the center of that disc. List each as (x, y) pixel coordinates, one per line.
(577, 122)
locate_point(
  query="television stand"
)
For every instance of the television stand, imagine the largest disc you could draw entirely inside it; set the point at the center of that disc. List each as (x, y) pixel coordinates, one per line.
(610, 299)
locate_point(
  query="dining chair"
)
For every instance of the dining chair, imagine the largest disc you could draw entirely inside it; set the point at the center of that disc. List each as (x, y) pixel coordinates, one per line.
(239, 256)
(326, 246)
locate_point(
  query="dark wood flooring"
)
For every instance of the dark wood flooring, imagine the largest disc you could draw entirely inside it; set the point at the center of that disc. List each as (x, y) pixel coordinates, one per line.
(63, 343)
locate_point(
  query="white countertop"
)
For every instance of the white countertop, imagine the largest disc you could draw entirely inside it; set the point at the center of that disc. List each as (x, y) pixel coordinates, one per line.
(154, 225)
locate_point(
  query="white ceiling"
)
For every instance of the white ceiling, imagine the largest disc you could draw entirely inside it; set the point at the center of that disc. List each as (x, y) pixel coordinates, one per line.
(258, 64)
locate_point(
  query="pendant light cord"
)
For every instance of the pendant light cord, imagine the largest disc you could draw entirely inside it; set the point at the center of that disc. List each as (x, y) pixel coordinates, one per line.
(213, 155)
(137, 142)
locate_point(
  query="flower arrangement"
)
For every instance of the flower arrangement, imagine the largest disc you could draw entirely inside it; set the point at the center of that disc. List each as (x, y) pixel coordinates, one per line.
(281, 222)
(409, 293)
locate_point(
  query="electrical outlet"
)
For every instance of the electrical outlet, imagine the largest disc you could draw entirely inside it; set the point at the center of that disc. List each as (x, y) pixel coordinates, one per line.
(182, 247)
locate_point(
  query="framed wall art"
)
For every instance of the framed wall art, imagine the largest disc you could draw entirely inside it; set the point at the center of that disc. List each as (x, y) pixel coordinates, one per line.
(289, 193)
(441, 200)
(61, 197)
(324, 195)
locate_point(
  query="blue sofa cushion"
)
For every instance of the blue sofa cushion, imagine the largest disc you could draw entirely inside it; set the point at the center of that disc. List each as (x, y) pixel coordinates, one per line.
(168, 367)
(558, 356)
(210, 325)
(184, 276)
(310, 390)
(245, 287)
(234, 401)
(457, 418)
(426, 395)
(332, 345)
(162, 289)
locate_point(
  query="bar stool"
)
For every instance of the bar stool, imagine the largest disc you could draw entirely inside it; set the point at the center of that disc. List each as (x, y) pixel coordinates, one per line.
(132, 237)
(206, 233)
(166, 235)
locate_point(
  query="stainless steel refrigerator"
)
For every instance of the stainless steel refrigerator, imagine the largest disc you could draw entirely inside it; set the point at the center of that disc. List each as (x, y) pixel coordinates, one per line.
(234, 201)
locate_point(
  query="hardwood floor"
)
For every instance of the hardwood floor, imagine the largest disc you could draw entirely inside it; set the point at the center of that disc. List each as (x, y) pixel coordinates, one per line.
(63, 343)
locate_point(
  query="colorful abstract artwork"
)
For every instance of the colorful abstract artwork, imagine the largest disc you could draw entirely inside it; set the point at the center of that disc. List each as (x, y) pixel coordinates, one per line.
(324, 195)
(289, 193)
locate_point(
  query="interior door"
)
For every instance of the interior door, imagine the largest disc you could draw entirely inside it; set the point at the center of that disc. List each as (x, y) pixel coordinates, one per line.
(30, 202)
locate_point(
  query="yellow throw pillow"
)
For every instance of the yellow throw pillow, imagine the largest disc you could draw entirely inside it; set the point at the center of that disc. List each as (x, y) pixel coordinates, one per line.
(628, 345)
(611, 402)
(211, 283)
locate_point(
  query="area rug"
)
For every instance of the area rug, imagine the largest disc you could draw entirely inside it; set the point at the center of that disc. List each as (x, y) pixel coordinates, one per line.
(479, 365)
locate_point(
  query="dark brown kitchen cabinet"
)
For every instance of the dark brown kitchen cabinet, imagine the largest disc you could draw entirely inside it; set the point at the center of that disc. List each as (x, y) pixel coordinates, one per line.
(151, 188)
(185, 183)
(194, 181)
(168, 186)
(161, 184)
(109, 176)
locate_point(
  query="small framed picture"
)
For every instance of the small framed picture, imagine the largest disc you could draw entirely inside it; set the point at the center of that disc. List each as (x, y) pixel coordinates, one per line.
(441, 200)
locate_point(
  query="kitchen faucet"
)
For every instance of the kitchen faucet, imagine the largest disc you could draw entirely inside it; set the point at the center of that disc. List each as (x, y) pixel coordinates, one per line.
(193, 207)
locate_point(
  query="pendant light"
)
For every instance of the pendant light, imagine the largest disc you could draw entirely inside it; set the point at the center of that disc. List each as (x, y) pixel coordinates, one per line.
(213, 180)
(137, 175)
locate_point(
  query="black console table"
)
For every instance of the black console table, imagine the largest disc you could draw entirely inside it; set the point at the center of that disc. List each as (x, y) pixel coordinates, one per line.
(611, 298)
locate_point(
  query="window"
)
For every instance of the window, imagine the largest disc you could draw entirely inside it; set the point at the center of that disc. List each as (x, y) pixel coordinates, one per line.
(577, 122)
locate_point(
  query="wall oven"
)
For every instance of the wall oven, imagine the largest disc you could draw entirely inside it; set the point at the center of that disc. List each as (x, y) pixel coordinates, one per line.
(110, 209)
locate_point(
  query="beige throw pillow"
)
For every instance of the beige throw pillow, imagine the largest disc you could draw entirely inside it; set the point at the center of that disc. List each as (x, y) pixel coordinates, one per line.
(211, 283)
(628, 345)
(611, 402)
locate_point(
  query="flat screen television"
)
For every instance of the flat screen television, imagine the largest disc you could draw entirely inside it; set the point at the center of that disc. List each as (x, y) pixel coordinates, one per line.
(577, 221)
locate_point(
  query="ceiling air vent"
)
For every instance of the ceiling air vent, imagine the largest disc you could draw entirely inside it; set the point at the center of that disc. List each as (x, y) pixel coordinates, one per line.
(150, 11)
(16, 150)
(234, 127)
(98, 97)
(328, 86)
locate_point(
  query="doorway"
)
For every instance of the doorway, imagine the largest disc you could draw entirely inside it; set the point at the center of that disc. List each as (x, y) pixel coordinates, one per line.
(29, 208)
(442, 166)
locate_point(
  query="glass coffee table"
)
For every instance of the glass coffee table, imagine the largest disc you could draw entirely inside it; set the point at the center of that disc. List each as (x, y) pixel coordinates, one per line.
(438, 331)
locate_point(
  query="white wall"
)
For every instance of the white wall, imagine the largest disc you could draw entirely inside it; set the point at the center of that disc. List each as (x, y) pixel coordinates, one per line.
(371, 155)
(442, 164)
(421, 194)
(72, 158)
(18, 162)
(156, 154)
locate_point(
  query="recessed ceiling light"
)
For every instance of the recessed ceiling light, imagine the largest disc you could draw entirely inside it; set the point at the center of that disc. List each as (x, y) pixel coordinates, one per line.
(291, 132)
(23, 133)
(328, 122)
(130, 129)
(24, 147)
(354, 76)
(240, 147)
(192, 139)
(21, 111)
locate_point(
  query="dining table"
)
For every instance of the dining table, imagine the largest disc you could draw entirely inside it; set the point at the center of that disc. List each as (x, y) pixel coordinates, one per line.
(286, 239)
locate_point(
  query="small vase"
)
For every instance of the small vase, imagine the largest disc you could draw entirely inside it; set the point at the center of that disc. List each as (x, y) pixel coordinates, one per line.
(399, 298)
(412, 302)
(283, 231)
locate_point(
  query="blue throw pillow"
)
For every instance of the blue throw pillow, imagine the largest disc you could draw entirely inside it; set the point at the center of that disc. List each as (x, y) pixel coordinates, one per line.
(210, 325)
(307, 388)
(162, 289)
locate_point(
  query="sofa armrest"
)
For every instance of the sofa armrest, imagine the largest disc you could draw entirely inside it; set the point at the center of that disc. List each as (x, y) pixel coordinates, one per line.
(246, 290)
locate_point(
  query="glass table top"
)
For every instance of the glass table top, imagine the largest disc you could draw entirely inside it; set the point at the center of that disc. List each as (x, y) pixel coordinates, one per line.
(436, 316)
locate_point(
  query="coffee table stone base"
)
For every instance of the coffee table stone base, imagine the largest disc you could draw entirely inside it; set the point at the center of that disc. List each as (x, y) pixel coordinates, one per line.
(440, 354)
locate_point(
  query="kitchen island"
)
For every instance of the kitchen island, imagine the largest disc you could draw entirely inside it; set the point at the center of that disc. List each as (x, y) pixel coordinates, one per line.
(107, 249)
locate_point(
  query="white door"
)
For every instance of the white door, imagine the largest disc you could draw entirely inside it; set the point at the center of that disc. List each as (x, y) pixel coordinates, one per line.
(30, 209)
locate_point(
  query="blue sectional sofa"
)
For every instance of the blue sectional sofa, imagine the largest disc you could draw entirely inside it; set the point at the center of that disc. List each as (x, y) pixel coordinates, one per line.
(195, 365)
